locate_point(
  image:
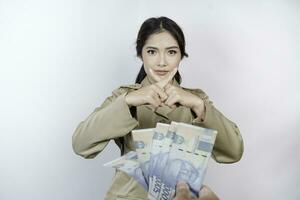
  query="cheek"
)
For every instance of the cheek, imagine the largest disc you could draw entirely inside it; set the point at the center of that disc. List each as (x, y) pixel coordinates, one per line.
(149, 61)
(148, 69)
(174, 63)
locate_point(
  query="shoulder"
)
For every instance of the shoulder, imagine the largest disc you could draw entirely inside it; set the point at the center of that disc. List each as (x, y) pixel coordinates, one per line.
(196, 91)
(118, 92)
(125, 88)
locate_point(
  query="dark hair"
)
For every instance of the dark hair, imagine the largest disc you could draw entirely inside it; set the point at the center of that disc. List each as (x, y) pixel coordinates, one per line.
(157, 25)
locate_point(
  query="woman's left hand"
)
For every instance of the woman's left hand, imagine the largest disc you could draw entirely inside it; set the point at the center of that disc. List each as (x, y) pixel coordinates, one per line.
(177, 95)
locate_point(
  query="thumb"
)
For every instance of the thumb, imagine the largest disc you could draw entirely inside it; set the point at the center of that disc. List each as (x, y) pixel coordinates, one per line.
(182, 191)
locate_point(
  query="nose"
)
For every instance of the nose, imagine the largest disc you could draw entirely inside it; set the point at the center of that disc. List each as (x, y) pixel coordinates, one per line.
(162, 61)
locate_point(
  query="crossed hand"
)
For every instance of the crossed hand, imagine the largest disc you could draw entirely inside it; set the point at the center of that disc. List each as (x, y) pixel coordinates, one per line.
(163, 93)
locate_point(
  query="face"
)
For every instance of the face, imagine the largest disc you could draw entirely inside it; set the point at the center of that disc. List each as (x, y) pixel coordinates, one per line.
(160, 55)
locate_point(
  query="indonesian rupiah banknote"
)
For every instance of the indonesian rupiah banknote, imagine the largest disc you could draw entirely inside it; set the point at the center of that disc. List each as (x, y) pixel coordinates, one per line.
(129, 164)
(162, 142)
(188, 158)
(143, 141)
(166, 154)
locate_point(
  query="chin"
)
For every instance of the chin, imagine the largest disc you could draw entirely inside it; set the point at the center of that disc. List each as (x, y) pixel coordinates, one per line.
(153, 78)
(157, 78)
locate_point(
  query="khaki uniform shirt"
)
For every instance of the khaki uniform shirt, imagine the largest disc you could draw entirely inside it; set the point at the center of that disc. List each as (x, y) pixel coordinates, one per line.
(114, 120)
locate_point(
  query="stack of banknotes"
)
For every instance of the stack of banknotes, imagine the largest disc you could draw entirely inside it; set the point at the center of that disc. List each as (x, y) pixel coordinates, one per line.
(166, 154)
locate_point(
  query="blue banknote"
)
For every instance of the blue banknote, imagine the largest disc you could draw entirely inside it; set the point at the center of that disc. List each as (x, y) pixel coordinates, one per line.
(168, 154)
(129, 164)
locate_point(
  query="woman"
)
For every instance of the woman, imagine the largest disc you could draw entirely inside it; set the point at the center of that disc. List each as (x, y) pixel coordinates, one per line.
(155, 97)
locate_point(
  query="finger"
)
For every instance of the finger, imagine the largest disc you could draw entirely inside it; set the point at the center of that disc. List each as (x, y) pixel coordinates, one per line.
(153, 105)
(154, 100)
(167, 86)
(169, 90)
(171, 101)
(207, 193)
(182, 191)
(163, 95)
(202, 191)
(155, 77)
(162, 83)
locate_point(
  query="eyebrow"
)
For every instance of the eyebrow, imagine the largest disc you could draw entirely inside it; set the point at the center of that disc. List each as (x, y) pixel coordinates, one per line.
(172, 47)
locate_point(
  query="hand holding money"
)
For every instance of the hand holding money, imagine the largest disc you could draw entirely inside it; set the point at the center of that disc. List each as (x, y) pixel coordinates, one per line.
(183, 193)
(166, 155)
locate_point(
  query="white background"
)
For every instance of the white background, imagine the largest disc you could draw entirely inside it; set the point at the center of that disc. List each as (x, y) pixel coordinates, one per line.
(59, 59)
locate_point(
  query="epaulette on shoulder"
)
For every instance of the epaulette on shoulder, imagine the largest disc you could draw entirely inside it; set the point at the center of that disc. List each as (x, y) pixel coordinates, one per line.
(132, 86)
(124, 88)
(197, 91)
(194, 90)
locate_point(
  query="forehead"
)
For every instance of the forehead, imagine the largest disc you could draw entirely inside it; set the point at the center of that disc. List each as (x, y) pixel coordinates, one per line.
(162, 39)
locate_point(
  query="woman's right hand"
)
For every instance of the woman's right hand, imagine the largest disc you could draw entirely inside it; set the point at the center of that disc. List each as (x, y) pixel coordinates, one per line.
(153, 94)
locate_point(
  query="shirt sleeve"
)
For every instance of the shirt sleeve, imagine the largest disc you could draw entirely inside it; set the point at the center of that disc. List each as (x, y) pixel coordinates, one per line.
(229, 145)
(111, 120)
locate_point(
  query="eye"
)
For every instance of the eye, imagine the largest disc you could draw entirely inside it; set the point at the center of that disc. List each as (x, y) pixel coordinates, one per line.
(172, 52)
(151, 52)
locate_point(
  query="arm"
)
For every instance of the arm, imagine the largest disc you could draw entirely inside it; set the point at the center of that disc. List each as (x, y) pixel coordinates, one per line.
(229, 145)
(111, 120)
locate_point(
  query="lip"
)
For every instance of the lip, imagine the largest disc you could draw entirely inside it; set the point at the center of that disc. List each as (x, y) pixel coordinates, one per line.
(161, 72)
